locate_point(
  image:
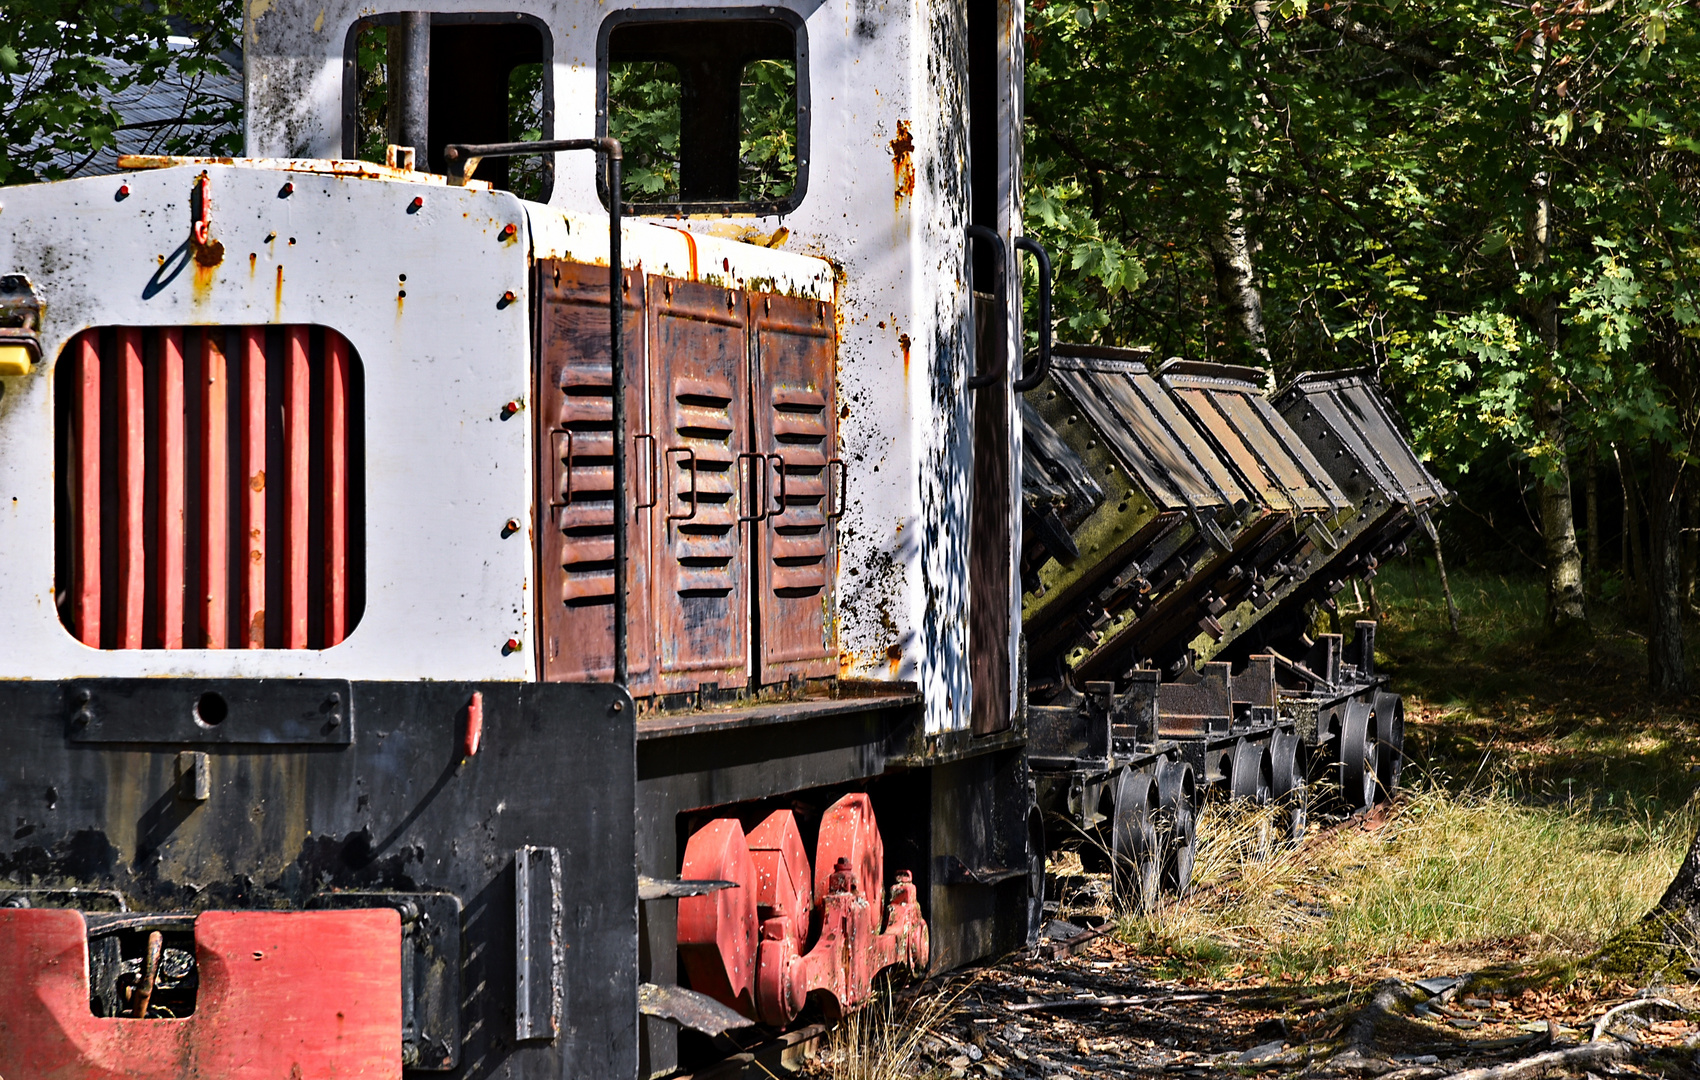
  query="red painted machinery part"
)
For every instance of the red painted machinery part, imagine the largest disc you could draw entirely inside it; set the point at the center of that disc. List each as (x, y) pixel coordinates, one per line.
(717, 931)
(320, 990)
(783, 886)
(474, 725)
(770, 980)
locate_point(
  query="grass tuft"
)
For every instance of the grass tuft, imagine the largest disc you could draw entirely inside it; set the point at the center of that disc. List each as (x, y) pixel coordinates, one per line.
(888, 1039)
(1450, 879)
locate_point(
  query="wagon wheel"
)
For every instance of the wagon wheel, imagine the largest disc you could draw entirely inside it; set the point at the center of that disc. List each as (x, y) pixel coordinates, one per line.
(1291, 792)
(1177, 826)
(1358, 756)
(1136, 853)
(1036, 853)
(1390, 743)
(1251, 778)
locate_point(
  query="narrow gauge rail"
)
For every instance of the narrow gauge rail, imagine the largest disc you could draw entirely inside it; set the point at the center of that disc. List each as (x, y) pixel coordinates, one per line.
(471, 615)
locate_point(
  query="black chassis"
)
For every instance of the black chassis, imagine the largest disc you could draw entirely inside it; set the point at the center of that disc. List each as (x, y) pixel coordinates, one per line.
(118, 796)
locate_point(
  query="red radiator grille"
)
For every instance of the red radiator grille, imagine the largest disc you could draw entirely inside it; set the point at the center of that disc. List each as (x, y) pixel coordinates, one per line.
(210, 485)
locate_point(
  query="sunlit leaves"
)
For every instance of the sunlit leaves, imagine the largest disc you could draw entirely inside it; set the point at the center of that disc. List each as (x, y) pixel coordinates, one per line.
(1391, 201)
(64, 62)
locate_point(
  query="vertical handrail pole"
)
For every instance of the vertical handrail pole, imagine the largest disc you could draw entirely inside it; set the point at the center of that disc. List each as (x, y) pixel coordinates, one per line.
(610, 148)
(463, 159)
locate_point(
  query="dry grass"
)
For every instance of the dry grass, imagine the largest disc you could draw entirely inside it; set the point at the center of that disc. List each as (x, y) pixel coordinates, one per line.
(888, 1038)
(1449, 879)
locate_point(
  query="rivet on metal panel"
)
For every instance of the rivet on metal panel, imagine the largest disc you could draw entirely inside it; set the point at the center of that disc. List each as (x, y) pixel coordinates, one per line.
(508, 232)
(510, 527)
(286, 191)
(507, 299)
(123, 191)
(512, 407)
(512, 645)
(417, 203)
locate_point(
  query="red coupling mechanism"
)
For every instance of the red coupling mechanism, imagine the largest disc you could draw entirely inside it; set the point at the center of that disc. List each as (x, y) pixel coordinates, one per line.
(474, 723)
(800, 932)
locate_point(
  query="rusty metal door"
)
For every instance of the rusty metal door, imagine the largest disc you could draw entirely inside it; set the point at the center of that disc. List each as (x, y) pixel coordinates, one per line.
(575, 420)
(699, 408)
(801, 487)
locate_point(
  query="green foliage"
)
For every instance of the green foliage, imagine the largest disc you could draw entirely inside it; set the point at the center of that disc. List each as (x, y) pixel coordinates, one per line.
(528, 177)
(1390, 173)
(64, 62)
(767, 146)
(644, 114)
(372, 109)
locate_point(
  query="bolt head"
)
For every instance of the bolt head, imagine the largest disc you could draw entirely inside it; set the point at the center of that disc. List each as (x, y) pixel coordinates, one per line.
(512, 644)
(418, 201)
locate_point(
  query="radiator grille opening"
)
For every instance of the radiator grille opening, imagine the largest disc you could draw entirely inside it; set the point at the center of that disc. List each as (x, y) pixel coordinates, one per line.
(209, 487)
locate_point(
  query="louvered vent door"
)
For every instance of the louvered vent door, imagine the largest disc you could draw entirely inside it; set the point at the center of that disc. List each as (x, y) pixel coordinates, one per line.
(700, 415)
(795, 430)
(575, 424)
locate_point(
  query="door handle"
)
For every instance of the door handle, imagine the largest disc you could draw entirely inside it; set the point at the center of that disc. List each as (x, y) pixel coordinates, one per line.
(843, 485)
(646, 437)
(985, 377)
(758, 480)
(1037, 375)
(779, 504)
(693, 456)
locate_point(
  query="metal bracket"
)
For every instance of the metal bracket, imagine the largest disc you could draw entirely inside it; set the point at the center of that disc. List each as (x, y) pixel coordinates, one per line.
(699, 1012)
(657, 889)
(537, 944)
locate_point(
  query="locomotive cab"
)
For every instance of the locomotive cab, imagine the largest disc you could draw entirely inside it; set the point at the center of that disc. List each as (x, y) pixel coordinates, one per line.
(429, 585)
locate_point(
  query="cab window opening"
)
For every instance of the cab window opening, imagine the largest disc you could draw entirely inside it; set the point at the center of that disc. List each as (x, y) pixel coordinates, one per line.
(489, 81)
(710, 107)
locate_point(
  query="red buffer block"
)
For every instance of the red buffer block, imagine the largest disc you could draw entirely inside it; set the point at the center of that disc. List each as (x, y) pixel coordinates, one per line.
(282, 994)
(772, 978)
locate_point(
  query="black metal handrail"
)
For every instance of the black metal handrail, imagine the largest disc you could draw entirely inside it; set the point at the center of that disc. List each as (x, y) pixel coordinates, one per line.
(984, 378)
(462, 160)
(1037, 375)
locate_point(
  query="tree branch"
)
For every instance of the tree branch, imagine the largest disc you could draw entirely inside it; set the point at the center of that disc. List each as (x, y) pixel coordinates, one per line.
(1349, 28)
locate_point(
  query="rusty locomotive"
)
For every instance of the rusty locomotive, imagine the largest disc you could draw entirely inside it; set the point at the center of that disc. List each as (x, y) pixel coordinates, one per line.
(606, 576)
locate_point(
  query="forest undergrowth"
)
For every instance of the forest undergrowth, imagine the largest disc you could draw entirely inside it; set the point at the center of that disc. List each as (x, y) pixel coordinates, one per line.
(1547, 802)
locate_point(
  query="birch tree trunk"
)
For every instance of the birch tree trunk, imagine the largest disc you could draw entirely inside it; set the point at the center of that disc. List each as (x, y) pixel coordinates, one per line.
(1236, 284)
(1566, 609)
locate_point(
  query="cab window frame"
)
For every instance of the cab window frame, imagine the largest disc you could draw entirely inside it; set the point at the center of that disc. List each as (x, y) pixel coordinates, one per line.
(794, 23)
